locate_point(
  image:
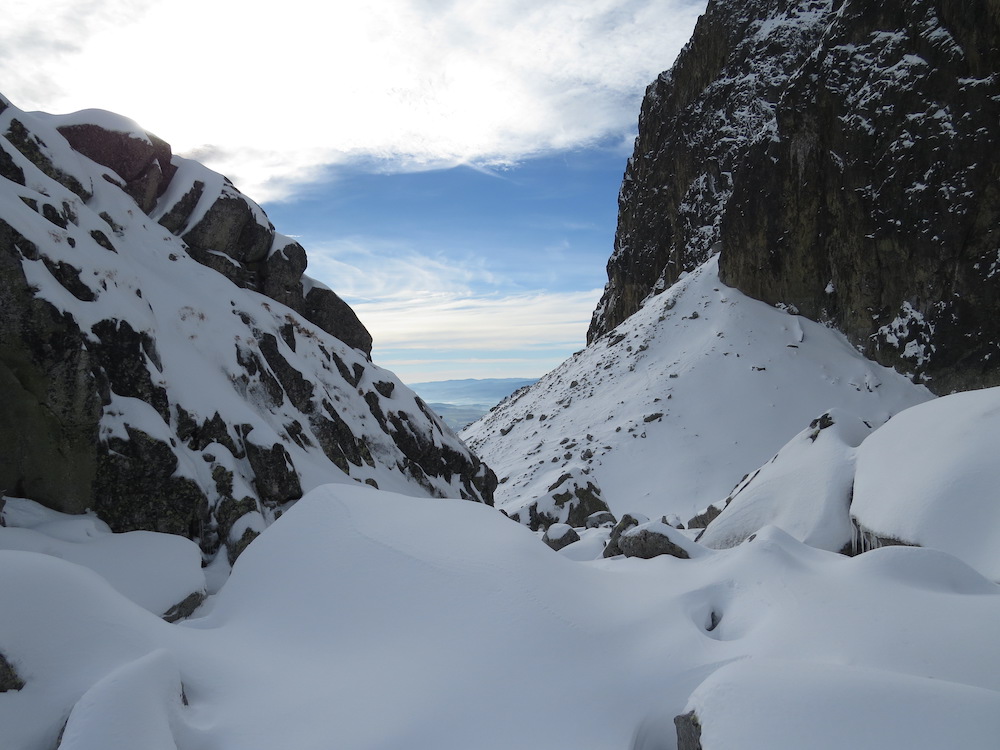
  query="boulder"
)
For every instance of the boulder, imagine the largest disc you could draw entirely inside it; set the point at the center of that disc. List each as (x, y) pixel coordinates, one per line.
(233, 227)
(600, 518)
(142, 160)
(627, 522)
(688, 731)
(652, 540)
(560, 535)
(324, 308)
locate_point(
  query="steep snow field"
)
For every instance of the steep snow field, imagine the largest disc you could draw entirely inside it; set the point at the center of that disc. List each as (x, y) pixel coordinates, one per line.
(365, 619)
(670, 410)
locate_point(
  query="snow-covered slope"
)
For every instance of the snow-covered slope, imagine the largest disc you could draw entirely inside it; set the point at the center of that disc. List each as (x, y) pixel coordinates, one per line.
(363, 619)
(930, 477)
(166, 362)
(666, 413)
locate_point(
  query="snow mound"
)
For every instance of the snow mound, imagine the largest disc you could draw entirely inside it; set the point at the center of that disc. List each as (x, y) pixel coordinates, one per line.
(136, 705)
(384, 621)
(805, 489)
(778, 704)
(156, 571)
(930, 477)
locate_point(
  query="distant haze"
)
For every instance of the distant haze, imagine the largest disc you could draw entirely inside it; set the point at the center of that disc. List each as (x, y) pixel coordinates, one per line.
(461, 402)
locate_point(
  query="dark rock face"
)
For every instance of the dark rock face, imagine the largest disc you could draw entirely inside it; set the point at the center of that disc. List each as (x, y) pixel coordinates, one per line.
(108, 403)
(842, 156)
(51, 406)
(696, 125)
(876, 207)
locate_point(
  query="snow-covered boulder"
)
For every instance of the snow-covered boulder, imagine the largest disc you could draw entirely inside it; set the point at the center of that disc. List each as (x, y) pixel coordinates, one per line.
(571, 499)
(601, 518)
(805, 489)
(626, 522)
(560, 535)
(930, 477)
(655, 538)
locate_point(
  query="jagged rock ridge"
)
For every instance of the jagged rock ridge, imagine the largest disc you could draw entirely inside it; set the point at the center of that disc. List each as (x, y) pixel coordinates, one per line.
(166, 361)
(842, 156)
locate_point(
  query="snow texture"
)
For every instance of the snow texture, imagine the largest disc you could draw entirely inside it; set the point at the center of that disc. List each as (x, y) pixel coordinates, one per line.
(365, 619)
(670, 410)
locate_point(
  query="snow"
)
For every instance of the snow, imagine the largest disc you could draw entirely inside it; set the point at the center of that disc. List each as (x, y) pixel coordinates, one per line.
(365, 618)
(930, 477)
(558, 530)
(156, 571)
(101, 118)
(773, 703)
(136, 705)
(199, 323)
(700, 387)
(805, 489)
(371, 619)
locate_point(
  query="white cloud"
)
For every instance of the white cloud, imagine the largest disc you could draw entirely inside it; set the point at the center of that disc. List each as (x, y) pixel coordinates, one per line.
(275, 98)
(433, 318)
(448, 336)
(533, 320)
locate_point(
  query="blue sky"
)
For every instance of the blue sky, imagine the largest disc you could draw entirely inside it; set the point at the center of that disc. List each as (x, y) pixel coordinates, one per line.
(501, 267)
(450, 167)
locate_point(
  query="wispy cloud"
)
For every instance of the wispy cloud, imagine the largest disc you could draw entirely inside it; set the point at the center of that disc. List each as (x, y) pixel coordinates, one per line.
(451, 336)
(432, 317)
(536, 320)
(275, 99)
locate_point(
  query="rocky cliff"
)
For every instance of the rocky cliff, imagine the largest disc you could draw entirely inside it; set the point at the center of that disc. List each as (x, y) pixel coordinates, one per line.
(164, 359)
(842, 157)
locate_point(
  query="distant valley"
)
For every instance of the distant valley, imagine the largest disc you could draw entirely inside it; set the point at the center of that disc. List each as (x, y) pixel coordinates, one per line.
(461, 402)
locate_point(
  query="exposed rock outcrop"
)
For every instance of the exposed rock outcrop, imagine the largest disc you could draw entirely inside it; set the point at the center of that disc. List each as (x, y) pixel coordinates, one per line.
(842, 156)
(697, 123)
(571, 499)
(143, 385)
(876, 204)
